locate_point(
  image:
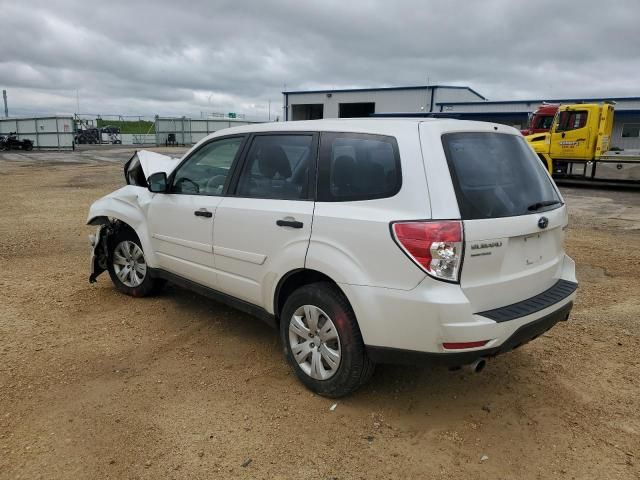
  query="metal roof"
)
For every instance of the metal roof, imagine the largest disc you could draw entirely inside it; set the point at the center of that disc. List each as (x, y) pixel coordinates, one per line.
(541, 100)
(383, 89)
(448, 114)
(459, 114)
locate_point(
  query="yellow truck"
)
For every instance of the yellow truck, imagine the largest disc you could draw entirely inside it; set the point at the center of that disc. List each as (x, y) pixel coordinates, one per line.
(577, 147)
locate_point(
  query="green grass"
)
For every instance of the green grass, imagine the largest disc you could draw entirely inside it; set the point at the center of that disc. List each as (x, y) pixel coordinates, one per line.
(126, 126)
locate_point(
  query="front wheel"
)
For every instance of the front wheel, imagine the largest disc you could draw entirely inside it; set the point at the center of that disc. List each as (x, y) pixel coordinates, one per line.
(322, 341)
(127, 266)
(28, 146)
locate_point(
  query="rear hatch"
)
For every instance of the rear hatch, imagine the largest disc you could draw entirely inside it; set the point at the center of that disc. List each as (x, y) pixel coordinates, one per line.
(513, 218)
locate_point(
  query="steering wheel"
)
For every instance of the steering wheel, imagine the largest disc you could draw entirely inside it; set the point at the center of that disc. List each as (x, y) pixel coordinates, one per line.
(216, 183)
(183, 180)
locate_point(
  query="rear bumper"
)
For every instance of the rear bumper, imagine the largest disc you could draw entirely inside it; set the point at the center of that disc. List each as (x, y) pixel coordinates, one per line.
(522, 335)
(400, 326)
(557, 293)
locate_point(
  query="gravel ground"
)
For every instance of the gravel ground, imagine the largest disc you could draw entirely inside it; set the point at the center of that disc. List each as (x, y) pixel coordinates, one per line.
(94, 384)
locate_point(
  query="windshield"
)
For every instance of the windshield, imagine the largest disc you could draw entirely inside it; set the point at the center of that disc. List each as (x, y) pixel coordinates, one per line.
(544, 122)
(497, 175)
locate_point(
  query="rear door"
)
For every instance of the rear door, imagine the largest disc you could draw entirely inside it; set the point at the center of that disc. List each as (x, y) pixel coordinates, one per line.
(263, 227)
(513, 218)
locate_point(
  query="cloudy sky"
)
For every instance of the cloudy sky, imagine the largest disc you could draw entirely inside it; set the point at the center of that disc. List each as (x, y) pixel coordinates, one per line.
(174, 57)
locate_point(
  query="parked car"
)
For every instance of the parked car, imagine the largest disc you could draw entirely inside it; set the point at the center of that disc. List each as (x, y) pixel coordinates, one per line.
(12, 142)
(362, 240)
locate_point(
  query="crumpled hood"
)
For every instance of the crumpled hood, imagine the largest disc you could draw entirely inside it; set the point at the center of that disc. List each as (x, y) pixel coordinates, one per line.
(153, 162)
(144, 163)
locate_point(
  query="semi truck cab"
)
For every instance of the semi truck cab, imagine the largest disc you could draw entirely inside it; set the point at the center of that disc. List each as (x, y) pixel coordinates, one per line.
(540, 121)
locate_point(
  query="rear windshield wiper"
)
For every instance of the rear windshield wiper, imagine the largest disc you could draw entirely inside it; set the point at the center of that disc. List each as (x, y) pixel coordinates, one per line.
(544, 203)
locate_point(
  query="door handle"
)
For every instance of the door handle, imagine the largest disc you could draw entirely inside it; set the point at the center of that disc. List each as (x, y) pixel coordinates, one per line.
(289, 223)
(203, 212)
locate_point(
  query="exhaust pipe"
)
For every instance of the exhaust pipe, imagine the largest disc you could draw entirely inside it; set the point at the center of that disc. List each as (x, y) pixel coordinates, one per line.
(478, 365)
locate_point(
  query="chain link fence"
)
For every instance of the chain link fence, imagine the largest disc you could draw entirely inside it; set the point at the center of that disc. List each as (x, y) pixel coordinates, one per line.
(187, 131)
(65, 132)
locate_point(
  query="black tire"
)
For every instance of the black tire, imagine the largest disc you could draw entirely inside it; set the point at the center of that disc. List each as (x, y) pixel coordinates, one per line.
(148, 285)
(28, 146)
(355, 367)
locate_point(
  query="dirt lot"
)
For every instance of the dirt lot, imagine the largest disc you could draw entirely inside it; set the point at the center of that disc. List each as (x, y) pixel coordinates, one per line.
(94, 384)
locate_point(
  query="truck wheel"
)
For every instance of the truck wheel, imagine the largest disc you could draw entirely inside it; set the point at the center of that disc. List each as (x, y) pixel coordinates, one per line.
(322, 341)
(128, 268)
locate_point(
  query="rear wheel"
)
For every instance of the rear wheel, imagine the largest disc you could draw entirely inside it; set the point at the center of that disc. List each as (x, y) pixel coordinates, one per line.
(322, 341)
(128, 267)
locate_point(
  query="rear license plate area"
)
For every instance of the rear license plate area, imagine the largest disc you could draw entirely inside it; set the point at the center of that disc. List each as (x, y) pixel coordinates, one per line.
(532, 249)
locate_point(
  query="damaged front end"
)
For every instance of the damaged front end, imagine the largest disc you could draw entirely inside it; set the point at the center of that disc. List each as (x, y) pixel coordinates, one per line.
(126, 207)
(99, 243)
(99, 260)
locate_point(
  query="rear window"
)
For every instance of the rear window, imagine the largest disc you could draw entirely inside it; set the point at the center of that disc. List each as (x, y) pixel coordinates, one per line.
(356, 166)
(497, 175)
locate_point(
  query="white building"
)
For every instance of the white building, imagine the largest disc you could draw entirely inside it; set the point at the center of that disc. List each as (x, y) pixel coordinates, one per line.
(447, 101)
(363, 102)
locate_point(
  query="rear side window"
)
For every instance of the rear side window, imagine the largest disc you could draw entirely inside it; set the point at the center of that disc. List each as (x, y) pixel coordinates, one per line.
(497, 175)
(355, 166)
(277, 167)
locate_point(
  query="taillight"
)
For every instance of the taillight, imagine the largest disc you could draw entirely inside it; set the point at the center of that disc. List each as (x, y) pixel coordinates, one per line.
(435, 246)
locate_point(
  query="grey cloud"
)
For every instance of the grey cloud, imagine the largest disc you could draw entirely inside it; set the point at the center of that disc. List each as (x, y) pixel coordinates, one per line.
(172, 57)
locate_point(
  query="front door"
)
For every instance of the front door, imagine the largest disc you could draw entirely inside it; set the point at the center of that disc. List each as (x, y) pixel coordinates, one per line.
(262, 229)
(571, 135)
(181, 221)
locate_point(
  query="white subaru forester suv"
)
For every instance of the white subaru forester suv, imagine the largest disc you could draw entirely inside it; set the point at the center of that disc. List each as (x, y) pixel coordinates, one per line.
(362, 240)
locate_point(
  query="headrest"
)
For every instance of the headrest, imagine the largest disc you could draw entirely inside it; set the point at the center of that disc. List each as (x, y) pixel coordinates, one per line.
(274, 161)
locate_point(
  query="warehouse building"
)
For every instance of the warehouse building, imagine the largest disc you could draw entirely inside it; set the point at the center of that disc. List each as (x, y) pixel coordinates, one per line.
(364, 102)
(448, 101)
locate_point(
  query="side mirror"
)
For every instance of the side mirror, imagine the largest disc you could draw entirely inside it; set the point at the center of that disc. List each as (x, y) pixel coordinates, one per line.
(157, 182)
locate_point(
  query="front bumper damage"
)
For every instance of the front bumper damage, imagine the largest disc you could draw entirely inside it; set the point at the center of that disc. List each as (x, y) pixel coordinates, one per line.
(98, 257)
(99, 245)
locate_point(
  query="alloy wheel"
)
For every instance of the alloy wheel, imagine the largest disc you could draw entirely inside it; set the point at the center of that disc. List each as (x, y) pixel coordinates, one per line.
(314, 342)
(129, 264)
